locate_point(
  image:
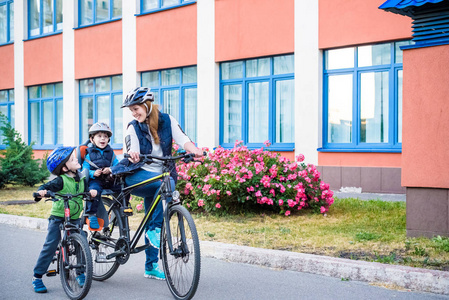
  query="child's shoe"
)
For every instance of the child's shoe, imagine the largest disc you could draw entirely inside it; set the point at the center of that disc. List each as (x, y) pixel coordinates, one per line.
(81, 278)
(93, 222)
(38, 285)
(154, 236)
(155, 273)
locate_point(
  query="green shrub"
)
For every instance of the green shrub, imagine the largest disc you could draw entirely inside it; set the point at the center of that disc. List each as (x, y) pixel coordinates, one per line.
(17, 163)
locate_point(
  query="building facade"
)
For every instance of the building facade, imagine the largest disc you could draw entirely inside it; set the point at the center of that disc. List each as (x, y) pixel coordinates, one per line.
(321, 78)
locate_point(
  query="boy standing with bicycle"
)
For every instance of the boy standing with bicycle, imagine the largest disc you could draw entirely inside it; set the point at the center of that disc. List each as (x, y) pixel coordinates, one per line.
(63, 163)
(100, 157)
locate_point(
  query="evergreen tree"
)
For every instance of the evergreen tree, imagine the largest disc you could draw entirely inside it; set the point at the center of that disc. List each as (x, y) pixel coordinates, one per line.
(17, 162)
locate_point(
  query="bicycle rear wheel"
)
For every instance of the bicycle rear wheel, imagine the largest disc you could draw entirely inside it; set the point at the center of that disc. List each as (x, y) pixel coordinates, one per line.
(105, 268)
(75, 266)
(182, 267)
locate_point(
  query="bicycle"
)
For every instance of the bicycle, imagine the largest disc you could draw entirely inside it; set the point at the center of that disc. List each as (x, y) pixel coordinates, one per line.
(112, 245)
(72, 257)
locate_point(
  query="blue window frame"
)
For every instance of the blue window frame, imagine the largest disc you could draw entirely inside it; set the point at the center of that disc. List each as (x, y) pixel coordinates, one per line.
(45, 113)
(44, 17)
(98, 11)
(6, 109)
(175, 91)
(362, 95)
(6, 22)
(148, 6)
(257, 102)
(100, 101)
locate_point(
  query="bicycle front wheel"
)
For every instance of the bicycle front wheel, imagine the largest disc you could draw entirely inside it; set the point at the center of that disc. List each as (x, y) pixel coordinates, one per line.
(75, 266)
(182, 266)
(103, 245)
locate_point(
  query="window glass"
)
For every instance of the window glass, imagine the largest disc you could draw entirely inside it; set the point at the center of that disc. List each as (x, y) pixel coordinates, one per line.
(47, 16)
(102, 84)
(34, 92)
(232, 70)
(258, 67)
(398, 51)
(104, 109)
(150, 4)
(59, 14)
(118, 120)
(86, 86)
(284, 64)
(48, 125)
(190, 96)
(339, 58)
(117, 11)
(35, 122)
(86, 12)
(399, 92)
(170, 77)
(3, 24)
(60, 123)
(258, 96)
(373, 55)
(150, 79)
(166, 3)
(340, 109)
(232, 113)
(58, 90)
(161, 4)
(171, 103)
(285, 111)
(117, 83)
(11, 21)
(102, 12)
(7, 108)
(47, 91)
(4, 96)
(189, 75)
(34, 7)
(87, 117)
(374, 107)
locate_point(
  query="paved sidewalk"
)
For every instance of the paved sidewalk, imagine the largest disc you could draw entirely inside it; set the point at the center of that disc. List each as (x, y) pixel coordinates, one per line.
(346, 269)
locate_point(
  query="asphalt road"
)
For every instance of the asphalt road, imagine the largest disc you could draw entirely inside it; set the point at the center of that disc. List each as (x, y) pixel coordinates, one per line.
(19, 249)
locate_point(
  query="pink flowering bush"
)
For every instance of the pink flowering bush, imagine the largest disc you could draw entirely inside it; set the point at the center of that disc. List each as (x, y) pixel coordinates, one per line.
(239, 180)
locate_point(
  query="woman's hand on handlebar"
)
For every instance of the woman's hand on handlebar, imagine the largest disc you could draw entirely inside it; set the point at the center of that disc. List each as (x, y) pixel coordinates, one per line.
(133, 157)
(93, 193)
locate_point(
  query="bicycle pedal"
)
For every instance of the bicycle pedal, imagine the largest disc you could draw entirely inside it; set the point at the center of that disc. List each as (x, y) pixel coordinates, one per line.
(51, 273)
(128, 211)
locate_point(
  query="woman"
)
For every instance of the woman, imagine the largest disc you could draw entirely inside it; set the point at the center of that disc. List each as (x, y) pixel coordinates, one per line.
(152, 131)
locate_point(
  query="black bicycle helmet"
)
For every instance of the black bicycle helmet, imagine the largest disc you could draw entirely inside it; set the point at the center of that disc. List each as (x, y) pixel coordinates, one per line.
(100, 127)
(138, 95)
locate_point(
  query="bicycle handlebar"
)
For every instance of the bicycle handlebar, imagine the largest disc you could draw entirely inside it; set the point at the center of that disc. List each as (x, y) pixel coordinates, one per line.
(187, 157)
(51, 195)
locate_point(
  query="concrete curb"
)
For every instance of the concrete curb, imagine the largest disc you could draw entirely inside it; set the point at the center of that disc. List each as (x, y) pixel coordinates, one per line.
(406, 277)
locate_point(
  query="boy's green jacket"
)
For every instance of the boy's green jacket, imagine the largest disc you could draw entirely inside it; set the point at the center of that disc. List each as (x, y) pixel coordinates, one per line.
(76, 204)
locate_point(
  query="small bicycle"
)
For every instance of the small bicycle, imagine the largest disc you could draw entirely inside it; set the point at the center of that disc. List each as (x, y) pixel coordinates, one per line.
(112, 245)
(73, 255)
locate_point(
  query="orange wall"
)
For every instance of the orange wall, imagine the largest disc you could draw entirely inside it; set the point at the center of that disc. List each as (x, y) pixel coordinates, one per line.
(344, 159)
(425, 146)
(167, 39)
(7, 67)
(350, 22)
(43, 60)
(252, 28)
(98, 50)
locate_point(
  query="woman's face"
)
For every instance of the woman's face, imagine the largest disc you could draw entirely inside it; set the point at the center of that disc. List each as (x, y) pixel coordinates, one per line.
(139, 113)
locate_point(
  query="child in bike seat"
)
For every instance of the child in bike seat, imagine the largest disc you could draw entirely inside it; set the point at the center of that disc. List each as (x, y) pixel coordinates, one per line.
(152, 132)
(98, 160)
(63, 163)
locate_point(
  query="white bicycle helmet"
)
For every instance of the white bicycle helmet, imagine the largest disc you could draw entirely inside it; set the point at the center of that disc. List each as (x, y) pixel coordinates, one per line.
(138, 95)
(100, 127)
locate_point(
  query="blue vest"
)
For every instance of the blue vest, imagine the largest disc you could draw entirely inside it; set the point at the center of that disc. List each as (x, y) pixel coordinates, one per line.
(101, 158)
(165, 138)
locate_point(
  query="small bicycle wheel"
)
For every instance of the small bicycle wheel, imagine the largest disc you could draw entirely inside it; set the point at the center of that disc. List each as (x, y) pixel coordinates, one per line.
(104, 268)
(75, 266)
(182, 266)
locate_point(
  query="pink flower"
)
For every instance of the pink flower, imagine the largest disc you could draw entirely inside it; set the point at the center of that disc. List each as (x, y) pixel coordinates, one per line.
(229, 193)
(217, 205)
(300, 158)
(281, 202)
(267, 143)
(287, 213)
(139, 207)
(323, 209)
(200, 202)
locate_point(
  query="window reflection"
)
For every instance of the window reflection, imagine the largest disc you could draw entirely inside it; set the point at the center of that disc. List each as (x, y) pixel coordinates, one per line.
(232, 104)
(340, 109)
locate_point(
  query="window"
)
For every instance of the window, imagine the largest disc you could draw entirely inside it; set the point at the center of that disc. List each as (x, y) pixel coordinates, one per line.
(44, 17)
(45, 115)
(257, 102)
(363, 98)
(6, 21)
(100, 101)
(175, 91)
(155, 5)
(99, 11)
(7, 108)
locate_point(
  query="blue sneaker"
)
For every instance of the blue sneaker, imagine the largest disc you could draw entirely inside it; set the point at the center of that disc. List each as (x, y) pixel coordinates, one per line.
(154, 236)
(38, 285)
(155, 273)
(93, 222)
(81, 279)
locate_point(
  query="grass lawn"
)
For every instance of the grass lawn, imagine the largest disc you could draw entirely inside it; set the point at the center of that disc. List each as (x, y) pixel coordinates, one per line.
(371, 230)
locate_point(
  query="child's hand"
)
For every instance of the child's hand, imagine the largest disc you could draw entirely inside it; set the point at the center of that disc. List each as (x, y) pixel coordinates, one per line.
(97, 173)
(93, 193)
(42, 193)
(107, 171)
